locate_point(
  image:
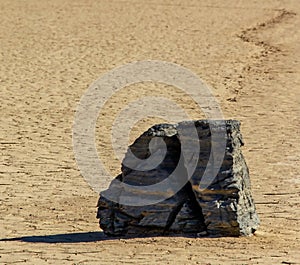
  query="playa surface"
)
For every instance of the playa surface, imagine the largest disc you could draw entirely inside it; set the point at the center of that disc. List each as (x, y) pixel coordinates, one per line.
(248, 52)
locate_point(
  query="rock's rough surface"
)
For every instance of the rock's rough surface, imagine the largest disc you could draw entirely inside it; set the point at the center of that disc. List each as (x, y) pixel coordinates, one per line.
(223, 207)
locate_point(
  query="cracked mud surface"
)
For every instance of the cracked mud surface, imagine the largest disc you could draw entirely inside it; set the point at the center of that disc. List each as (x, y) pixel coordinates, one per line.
(50, 52)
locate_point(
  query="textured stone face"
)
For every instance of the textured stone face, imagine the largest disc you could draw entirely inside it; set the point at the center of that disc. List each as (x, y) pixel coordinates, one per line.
(224, 207)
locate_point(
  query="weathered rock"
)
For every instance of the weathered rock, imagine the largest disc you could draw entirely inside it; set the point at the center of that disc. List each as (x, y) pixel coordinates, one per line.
(223, 207)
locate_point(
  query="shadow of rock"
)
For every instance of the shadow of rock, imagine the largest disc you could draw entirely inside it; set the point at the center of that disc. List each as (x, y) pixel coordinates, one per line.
(62, 238)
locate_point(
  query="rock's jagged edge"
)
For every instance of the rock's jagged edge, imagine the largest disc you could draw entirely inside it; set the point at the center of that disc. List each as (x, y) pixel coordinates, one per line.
(224, 208)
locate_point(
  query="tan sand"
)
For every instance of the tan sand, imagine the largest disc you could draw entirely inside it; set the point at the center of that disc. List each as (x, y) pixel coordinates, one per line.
(51, 51)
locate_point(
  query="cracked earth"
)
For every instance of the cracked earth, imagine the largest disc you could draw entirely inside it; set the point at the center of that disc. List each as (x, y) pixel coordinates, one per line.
(51, 51)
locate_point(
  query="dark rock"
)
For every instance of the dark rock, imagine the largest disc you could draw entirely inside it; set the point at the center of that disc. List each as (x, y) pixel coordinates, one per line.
(192, 194)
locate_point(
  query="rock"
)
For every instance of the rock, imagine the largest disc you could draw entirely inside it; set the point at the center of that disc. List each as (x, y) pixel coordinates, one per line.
(186, 192)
